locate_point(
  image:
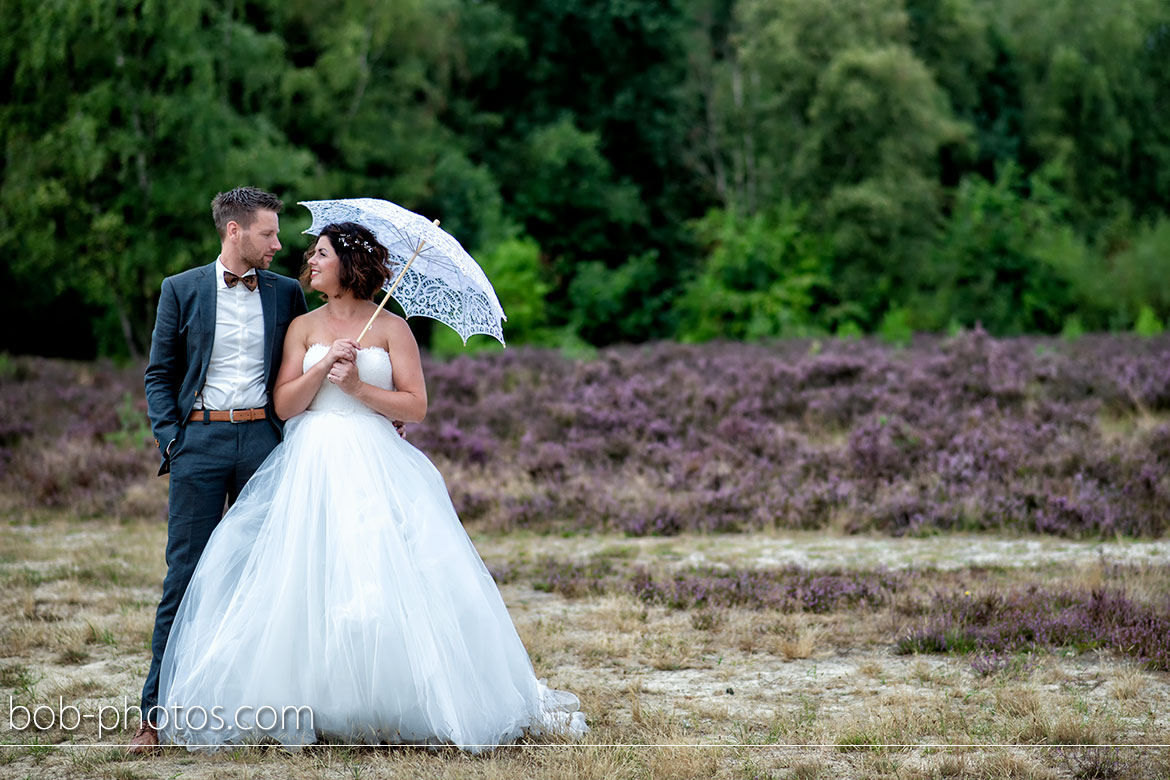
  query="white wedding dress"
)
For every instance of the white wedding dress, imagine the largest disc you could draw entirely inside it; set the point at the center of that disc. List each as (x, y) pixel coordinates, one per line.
(342, 581)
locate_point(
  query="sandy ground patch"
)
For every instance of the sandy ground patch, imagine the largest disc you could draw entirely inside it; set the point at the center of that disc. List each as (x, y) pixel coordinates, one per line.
(746, 694)
(822, 550)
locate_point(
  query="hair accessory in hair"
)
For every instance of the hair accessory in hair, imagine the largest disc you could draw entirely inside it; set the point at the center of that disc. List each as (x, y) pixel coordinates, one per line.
(353, 242)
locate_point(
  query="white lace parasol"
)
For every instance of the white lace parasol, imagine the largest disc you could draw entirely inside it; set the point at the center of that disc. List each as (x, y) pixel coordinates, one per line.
(443, 282)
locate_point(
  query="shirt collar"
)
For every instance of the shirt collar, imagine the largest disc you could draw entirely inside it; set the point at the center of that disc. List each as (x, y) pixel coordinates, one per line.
(220, 284)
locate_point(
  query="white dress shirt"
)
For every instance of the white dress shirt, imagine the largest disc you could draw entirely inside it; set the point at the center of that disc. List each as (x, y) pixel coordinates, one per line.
(235, 373)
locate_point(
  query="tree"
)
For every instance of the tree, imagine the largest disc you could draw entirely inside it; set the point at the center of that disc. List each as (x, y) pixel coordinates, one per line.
(758, 106)
(763, 277)
(1091, 80)
(871, 154)
(613, 74)
(117, 137)
(825, 103)
(1003, 259)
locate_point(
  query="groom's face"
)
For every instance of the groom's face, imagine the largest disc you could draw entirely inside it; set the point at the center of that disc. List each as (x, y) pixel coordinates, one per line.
(258, 242)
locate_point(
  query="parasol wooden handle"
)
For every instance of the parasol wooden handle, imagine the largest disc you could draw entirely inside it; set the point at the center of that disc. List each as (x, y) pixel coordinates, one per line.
(393, 287)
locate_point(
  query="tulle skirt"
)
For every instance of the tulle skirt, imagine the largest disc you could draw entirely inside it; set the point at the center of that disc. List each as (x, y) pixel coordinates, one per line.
(340, 596)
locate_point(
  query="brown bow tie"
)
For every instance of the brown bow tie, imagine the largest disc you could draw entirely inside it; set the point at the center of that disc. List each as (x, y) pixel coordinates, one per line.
(230, 280)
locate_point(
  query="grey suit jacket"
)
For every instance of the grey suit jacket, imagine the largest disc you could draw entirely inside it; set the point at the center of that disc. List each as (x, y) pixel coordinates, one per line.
(180, 346)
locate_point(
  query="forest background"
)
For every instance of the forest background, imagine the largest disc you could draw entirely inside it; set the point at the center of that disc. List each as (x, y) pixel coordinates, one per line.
(625, 170)
(957, 544)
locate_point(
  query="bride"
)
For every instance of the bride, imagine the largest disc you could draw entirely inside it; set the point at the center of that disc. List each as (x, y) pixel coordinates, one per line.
(340, 596)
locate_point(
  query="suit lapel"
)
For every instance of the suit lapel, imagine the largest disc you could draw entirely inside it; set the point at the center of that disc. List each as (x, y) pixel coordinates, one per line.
(207, 301)
(267, 288)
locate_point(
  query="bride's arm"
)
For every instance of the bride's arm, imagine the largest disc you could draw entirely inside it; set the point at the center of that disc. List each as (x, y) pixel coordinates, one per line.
(295, 389)
(408, 400)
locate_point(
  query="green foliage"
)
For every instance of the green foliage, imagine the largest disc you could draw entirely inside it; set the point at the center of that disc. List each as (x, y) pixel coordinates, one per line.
(118, 136)
(1090, 78)
(1002, 259)
(760, 96)
(876, 112)
(1148, 323)
(762, 277)
(468, 199)
(567, 198)
(618, 304)
(952, 38)
(133, 426)
(1138, 276)
(849, 330)
(877, 125)
(895, 327)
(1110, 291)
(959, 161)
(618, 70)
(827, 102)
(1073, 328)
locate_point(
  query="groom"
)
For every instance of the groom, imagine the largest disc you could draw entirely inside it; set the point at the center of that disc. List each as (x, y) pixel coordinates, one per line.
(214, 356)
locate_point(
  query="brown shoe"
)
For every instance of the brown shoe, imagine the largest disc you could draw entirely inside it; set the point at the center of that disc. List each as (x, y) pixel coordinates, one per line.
(145, 740)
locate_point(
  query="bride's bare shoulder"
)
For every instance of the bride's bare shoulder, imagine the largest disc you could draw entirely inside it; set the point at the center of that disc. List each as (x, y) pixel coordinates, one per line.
(308, 329)
(308, 318)
(399, 332)
(389, 330)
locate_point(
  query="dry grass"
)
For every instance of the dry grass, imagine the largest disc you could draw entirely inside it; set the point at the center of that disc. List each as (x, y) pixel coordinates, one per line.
(1127, 684)
(1018, 701)
(724, 691)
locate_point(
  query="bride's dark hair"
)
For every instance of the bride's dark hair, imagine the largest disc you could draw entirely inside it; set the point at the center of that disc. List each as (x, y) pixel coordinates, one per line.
(362, 258)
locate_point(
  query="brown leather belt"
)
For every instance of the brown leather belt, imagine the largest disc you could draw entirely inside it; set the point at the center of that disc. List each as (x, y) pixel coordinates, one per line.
(228, 415)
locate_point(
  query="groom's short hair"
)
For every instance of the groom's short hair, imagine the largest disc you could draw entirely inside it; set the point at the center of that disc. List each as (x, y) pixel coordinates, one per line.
(240, 206)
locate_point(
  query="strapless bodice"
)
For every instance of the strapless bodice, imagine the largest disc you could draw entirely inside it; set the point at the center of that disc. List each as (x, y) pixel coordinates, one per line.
(373, 367)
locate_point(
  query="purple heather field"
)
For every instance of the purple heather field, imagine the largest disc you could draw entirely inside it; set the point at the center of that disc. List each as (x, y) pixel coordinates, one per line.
(965, 433)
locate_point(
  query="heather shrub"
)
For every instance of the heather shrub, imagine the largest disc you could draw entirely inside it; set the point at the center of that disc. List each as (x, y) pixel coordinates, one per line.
(969, 433)
(1038, 618)
(964, 433)
(73, 435)
(572, 579)
(85, 473)
(788, 589)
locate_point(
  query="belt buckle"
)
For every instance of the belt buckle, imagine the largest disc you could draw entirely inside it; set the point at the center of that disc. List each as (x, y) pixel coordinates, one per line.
(232, 416)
